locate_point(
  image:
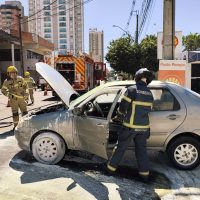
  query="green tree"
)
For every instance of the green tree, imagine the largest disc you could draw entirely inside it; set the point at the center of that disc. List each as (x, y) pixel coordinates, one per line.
(149, 53)
(126, 56)
(123, 55)
(191, 41)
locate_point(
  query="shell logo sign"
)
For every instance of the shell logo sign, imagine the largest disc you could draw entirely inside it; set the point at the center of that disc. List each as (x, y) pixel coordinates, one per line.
(173, 80)
(172, 71)
(176, 41)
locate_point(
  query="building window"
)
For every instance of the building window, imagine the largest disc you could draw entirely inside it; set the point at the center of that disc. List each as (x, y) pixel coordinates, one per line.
(47, 19)
(47, 25)
(62, 24)
(47, 30)
(62, 13)
(63, 35)
(62, 29)
(71, 18)
(71, 47)
(47, 8)
(62, 7)
(33, 55)
(47, 13)
(46, 2)
(47, 36)
(62, 1)
(63, 46)
(62, 18)
(63, 41)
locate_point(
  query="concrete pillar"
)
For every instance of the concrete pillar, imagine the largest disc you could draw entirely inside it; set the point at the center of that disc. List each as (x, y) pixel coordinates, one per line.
(13, 53)
(168, 29)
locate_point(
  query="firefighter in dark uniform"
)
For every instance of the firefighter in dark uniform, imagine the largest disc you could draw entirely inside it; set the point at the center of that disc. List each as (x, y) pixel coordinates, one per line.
(134, 113)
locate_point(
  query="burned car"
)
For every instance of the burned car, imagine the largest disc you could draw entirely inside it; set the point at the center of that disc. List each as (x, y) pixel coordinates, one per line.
(85, 124)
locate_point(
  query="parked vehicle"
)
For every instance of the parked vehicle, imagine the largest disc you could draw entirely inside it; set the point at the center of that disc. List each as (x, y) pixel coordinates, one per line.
(42, 83)
(81, 72)
(85, 123)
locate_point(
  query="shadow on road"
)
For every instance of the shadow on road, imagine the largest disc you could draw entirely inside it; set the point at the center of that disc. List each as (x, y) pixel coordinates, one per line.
(6, 134)
(91, 177)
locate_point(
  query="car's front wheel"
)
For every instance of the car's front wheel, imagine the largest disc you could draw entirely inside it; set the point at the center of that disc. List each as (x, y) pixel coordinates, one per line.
(184, 152)
(48, 148)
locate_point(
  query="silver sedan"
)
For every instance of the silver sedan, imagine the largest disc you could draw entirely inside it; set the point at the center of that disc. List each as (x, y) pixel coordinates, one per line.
(85, 124)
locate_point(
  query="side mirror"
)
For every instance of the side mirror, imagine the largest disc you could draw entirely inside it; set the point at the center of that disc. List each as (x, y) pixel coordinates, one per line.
(78, 111)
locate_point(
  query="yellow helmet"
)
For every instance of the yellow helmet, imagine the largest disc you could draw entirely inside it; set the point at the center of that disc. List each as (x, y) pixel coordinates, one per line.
(27, 73)
(11, 69)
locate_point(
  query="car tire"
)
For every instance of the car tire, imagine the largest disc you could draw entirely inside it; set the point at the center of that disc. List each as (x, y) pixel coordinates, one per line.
(184, 152)
(48, 148)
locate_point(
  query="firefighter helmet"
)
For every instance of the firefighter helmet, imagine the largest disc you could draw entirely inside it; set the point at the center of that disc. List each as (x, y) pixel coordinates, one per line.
(144, 73)
(11, 69)
(27, 73)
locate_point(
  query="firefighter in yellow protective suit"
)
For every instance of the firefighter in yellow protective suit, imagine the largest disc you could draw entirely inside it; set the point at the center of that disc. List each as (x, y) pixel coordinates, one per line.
(16, 89)
(31, 84)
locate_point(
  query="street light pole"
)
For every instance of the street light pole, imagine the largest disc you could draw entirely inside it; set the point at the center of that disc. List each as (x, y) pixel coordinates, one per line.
(21, 45)
(121, 29)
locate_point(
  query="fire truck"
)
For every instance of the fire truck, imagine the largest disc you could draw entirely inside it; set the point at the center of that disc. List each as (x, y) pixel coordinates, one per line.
(81, 72)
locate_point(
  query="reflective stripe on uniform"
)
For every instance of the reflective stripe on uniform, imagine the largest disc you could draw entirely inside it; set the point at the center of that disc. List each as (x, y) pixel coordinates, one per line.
(141, 103)
(111, 168)
(144, 173)
(134, 104)
(127, 99)
(17, 96)
(136, 126)
(120, 112)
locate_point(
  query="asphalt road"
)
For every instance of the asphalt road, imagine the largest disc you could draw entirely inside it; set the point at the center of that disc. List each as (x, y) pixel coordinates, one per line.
(77, 177)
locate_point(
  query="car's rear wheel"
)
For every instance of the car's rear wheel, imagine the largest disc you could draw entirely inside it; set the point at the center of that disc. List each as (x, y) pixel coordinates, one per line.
(184, 152)
(48, 148)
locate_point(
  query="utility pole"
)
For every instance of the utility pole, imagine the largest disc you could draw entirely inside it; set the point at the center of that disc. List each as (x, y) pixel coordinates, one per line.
(168, 29)
(21, 45)
(137, 31)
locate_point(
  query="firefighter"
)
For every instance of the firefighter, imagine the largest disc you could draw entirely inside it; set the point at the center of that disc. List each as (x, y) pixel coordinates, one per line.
(15, 88)
(31, 84)
(133, 112)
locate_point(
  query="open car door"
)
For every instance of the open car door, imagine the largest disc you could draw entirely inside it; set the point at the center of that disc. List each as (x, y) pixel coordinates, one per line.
(92, 128)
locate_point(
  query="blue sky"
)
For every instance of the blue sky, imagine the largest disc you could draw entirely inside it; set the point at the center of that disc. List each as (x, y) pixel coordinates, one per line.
(103, 14)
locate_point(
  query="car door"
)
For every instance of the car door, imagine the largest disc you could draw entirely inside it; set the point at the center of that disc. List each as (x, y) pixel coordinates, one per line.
(91, 131)
(168, 114)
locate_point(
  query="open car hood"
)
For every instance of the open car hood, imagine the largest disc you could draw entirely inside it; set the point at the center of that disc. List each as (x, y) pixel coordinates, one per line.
(60, 85)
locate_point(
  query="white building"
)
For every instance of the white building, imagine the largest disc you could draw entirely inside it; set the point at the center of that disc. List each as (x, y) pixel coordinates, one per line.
(96, 45)
(61, 22)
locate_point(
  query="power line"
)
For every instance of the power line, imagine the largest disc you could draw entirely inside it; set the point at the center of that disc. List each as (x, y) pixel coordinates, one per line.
(144, 14)
(150, 15)
(55, 14)
(33, 14)
(43, 8)
(131, 14)
(65, 10)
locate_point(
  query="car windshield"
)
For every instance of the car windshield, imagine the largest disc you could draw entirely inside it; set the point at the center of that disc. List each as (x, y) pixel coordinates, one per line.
(77, 101)
(84, 96)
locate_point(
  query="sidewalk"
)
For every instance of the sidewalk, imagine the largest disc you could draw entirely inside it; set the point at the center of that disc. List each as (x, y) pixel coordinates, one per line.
(40, 100)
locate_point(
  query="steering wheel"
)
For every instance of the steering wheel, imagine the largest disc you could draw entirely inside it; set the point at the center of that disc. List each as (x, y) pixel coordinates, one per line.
(90, 106)
(96, 105)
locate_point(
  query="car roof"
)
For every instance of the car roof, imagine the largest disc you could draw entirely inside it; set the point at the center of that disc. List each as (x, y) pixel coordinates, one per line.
(113, 84)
